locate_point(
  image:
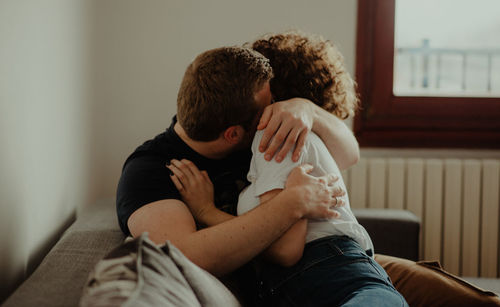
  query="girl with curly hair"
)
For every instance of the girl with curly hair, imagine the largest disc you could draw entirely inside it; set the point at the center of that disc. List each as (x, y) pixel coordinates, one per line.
(316, 262)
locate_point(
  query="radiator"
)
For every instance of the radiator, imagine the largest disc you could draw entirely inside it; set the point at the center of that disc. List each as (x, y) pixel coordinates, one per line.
(457, 201)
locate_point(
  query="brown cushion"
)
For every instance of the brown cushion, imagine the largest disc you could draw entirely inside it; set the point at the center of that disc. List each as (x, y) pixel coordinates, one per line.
(427, 284)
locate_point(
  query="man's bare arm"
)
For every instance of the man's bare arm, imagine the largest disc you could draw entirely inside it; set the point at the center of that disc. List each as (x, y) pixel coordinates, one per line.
(287, 250)
(219, 249)
(223, 248)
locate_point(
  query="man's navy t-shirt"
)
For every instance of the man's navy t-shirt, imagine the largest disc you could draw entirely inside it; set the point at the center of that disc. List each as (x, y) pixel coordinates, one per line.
(145, 178)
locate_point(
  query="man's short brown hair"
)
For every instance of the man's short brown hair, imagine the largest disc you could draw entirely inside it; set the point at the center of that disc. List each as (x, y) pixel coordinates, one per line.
(218, 91)
(311, 67)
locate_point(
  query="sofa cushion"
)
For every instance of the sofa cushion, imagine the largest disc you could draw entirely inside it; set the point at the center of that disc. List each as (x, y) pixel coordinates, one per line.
(383, 224)
(138, 273)
(60, 278)
(447, 290)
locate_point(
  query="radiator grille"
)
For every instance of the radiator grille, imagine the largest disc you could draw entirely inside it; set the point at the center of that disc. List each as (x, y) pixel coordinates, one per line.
(456, 199)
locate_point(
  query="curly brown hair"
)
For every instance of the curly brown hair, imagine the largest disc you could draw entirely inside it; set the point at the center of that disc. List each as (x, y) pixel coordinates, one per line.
(311, 67)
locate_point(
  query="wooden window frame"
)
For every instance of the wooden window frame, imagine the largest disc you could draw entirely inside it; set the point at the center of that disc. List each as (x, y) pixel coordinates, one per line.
(386, 120)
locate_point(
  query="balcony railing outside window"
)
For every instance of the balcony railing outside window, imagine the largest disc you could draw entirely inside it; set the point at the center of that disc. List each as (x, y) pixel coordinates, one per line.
(428, 73)
(426, 70)
(447, 48)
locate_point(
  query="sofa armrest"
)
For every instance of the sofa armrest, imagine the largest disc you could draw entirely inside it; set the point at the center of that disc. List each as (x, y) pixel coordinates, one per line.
(393, 232)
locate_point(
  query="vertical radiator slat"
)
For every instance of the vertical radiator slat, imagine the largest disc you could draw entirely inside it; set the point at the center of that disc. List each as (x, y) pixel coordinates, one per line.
(416, 192)
(377, 183)
(458, 202)
(452, 215)
(470, 221)
(433, 209)
(490, 219)
(357, 184)
(396, 183)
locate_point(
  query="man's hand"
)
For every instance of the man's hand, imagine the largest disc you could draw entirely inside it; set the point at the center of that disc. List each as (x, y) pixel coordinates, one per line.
(319, 195)
(195, 187)
(287, 123)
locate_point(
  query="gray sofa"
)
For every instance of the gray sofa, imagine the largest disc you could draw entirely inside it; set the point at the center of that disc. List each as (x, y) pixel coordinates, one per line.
(61, 276)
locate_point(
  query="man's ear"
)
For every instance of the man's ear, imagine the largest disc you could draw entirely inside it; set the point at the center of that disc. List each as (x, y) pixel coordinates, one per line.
(234, 134)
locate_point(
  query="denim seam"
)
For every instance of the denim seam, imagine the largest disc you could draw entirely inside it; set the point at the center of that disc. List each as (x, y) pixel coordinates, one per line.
(305, 268)
(273, 290)
(383, 277)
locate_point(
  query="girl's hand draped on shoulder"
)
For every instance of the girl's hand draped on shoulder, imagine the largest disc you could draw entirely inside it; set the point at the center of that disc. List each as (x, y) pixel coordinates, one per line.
(195, 187)
(286, 125)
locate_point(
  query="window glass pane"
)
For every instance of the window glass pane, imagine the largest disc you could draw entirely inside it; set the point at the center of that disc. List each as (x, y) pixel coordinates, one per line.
(447, 48)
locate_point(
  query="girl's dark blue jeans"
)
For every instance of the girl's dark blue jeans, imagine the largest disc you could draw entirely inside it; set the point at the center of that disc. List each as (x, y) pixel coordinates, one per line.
(333, 271)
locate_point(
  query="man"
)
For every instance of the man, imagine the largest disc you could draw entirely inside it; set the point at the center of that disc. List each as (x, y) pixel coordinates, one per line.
(222, 96)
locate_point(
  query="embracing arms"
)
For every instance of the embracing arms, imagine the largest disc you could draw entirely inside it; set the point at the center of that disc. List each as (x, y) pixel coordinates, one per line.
(197, 192)
(288, 249)
(228, 245)
(289, 122)
(230, 241)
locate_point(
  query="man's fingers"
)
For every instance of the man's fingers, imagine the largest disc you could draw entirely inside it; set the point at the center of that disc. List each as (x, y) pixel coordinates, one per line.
(331, 179)
(337, 202)
(338, 192)
(266, 116)
(290, 141)
(333, 214)
(307, 168)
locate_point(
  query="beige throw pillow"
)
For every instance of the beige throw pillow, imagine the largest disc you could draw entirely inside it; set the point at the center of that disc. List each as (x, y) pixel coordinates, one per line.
(138, 273)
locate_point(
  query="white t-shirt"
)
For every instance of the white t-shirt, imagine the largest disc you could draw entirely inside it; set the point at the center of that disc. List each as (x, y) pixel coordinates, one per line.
(265, 176)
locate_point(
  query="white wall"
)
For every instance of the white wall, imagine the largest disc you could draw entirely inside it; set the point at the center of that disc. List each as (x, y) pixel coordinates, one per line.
(143, 48)
(82, 83)
(43, 128)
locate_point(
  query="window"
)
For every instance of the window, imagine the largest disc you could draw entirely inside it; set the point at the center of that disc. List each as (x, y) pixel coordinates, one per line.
(418, 86)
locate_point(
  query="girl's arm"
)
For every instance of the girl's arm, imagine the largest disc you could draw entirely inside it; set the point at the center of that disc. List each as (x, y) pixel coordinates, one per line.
(287, 250)
(287, 124)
